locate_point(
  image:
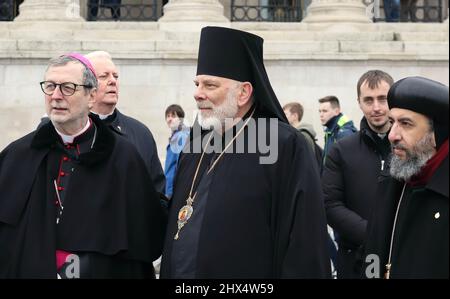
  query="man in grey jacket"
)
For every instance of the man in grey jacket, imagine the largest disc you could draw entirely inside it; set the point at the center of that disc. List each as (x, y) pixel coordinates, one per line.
(294, 114)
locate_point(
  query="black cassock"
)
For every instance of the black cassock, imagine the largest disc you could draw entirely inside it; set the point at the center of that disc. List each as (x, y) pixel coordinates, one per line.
(421, 240)
(250, 220)
(112, 217)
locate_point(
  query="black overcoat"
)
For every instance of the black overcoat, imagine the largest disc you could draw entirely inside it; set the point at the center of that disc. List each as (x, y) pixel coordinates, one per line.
(261, 220)
(420, 244)
(110, 209)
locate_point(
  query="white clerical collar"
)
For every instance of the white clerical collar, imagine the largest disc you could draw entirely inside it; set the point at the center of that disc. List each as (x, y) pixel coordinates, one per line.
(103, 116)
(69, 138)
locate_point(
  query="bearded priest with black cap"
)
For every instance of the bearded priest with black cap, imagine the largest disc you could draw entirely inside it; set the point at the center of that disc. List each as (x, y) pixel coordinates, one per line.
(408, 232)
(240, 210)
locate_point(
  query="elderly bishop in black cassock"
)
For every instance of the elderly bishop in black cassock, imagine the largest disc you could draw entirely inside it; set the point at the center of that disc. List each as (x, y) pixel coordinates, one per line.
(78, 206)
(232, 216)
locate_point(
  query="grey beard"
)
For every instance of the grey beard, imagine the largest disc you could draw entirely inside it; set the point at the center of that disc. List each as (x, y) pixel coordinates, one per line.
(227, 110)
(415, 160)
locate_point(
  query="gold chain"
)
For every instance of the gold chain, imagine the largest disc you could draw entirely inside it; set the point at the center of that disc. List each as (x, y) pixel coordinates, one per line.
(221, 154)
(186, 211)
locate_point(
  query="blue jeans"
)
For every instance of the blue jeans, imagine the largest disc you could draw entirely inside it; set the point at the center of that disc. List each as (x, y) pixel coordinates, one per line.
(392, 10)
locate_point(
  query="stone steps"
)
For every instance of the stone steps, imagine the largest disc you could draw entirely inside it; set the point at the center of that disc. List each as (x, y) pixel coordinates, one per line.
(291, 41)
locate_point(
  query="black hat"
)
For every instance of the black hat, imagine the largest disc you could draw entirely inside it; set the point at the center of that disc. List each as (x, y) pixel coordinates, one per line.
(426, 97)
(238, 55)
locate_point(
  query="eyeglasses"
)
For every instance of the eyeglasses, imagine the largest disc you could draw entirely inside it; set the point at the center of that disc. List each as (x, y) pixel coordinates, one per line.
(67, 88)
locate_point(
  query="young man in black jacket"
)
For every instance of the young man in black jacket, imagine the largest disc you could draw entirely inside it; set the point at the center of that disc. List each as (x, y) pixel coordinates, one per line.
(352, 169)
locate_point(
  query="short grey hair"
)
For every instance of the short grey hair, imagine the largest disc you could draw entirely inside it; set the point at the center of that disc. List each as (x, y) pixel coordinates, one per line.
(88, 77)
(237, 84)
(98, 54)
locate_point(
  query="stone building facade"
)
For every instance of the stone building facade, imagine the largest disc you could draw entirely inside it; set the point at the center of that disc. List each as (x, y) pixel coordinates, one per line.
(323, 55)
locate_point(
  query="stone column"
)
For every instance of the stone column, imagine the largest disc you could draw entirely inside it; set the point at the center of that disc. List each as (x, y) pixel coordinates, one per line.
(338, 11)
(49, 10)
(193, 11)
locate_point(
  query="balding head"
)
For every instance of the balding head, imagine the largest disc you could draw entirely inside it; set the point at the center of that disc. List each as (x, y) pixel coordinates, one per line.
(98, 55)
(108, 82)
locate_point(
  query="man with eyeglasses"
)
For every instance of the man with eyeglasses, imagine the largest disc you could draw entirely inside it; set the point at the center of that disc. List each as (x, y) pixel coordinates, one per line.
(104, 107)
(75, 202)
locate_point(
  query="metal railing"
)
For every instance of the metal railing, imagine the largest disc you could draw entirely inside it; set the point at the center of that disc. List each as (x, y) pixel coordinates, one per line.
(410, 11)
(9, 9)
(267, 10)
(113, 10)
(249, 10)
(295, 10)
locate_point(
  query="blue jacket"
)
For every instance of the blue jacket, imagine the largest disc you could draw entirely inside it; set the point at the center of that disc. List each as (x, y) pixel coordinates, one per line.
(336, 128)
(174, 148)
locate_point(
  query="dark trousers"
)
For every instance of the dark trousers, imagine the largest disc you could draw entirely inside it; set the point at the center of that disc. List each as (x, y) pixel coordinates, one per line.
(391, 10)
(7, 10)
(408, 10)
(93, 6)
